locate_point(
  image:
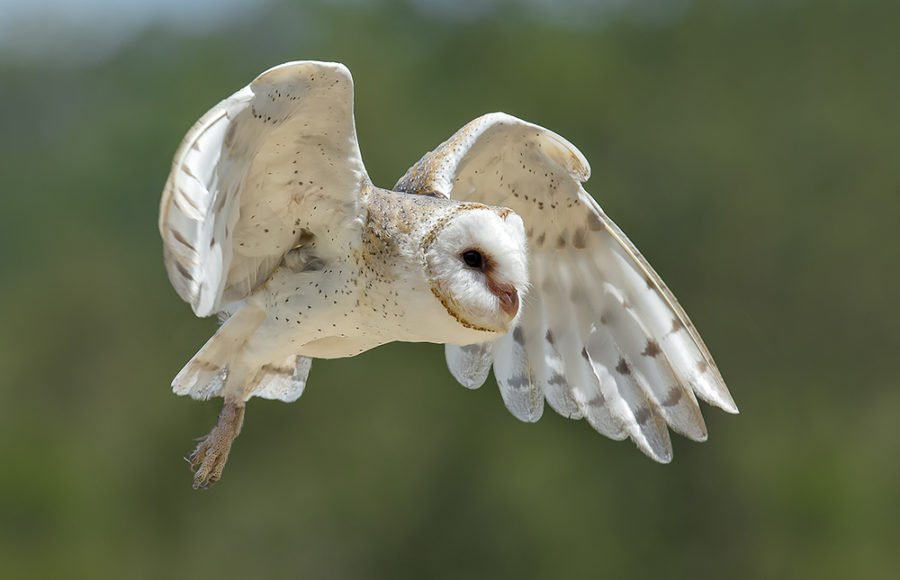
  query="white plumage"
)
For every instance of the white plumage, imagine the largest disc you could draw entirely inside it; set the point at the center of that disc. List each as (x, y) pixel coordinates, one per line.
(269, 219)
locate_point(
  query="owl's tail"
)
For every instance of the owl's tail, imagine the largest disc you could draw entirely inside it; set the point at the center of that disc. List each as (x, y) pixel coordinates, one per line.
(219, 369)
(216, 363)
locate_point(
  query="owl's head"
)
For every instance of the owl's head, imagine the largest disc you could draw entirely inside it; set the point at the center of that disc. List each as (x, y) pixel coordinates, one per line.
(477, 265)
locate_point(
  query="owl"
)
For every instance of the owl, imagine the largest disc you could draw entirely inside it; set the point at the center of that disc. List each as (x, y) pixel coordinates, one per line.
(489, 245)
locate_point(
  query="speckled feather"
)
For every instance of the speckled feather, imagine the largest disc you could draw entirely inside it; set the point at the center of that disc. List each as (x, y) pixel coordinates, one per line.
(236, 201)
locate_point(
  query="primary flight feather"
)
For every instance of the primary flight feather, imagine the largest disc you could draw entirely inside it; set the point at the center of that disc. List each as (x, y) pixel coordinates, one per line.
(489, 245)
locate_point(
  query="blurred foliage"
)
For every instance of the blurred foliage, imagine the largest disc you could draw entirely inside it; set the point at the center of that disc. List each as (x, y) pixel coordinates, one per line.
(750, 149)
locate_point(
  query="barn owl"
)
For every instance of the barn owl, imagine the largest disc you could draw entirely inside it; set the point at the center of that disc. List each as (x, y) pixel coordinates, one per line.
(489, 245)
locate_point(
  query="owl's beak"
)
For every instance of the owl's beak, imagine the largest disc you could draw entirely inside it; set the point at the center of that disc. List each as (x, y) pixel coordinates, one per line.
(507, 295)
(509, 302)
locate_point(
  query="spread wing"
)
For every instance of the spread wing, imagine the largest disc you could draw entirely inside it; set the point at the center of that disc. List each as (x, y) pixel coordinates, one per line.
(274, 162)
(600, 337)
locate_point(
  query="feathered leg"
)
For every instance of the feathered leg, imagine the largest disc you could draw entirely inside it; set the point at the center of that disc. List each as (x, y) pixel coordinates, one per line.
(209, 458)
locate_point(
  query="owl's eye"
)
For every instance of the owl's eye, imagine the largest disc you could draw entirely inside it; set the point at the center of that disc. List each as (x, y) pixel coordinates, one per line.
(473, 259)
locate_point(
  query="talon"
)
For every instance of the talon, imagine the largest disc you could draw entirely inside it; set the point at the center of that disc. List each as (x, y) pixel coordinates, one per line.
(208, 460)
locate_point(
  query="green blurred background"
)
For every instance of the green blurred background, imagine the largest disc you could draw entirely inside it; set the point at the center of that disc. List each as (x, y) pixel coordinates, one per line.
(751, 149)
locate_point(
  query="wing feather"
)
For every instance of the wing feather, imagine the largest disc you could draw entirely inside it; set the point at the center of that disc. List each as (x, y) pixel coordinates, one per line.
(516, 378)
(622, 329)
(545, 329)
(663, 317)
(596, 402)
(278, 157)
(470, 365)
(602, 336)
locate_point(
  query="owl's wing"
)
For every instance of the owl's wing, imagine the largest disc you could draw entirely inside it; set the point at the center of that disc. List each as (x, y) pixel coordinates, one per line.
(600, 336)
(272, 163)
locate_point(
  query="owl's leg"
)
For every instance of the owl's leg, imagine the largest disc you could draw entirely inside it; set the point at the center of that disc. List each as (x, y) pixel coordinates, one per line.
(208, 459)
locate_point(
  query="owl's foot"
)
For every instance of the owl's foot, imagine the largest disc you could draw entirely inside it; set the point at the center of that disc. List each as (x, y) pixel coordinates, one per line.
(208, 459)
